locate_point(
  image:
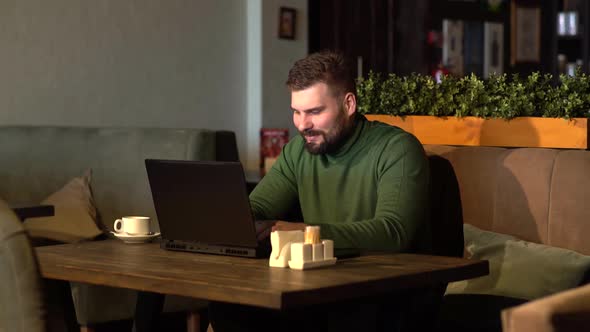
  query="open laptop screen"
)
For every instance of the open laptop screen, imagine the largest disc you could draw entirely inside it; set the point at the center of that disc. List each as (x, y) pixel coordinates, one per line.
(203, 202)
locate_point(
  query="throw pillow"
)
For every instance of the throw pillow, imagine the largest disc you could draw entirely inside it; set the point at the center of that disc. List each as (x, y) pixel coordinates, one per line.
(519, 269)
(75, 214)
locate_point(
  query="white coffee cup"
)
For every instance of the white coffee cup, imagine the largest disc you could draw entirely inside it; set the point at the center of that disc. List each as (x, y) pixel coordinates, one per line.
(134, 225)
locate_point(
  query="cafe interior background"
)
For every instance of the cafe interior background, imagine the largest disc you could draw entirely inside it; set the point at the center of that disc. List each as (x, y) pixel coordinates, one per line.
(219, 65)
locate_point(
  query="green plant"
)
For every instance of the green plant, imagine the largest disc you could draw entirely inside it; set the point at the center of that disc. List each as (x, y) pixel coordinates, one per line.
(368, 92)
(499, 96)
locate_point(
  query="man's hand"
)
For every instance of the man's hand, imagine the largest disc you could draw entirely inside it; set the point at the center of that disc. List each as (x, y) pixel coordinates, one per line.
(263, 228)
(288, 226)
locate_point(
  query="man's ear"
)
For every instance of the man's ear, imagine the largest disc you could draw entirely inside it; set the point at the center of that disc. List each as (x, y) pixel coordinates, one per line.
(350, 103)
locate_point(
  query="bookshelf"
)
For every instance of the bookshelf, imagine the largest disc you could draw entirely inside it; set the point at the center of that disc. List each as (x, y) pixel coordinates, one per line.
(395, 36)
(571, 36)
(557, 51)
(475, 37)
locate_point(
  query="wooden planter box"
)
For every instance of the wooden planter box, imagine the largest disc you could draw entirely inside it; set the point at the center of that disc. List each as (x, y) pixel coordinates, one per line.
(474, 131)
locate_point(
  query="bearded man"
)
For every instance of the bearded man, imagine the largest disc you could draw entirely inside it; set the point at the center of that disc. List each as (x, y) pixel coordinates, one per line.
(364, 183)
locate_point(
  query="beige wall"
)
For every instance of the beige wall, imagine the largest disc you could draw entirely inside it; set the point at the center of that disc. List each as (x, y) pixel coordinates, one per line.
(279, 55)
(269, 60)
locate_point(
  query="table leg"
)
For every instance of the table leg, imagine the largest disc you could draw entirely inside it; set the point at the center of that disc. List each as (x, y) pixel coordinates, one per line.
(61, 314)
(147, 311)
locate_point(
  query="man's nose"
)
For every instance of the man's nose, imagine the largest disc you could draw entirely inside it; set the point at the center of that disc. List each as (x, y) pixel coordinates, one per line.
(304, 122)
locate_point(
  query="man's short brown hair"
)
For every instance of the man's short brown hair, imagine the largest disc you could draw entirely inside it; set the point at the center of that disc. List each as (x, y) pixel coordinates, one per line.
(327, 67)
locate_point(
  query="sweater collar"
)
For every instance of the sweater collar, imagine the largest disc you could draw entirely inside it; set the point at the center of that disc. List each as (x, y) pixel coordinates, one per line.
(359, 124)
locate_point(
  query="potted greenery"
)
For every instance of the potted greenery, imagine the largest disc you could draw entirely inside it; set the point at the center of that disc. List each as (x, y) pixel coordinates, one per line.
(528, 111)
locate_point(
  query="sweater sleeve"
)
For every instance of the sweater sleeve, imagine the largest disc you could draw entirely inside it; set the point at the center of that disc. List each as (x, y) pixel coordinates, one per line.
(276, 194)
(402, 201)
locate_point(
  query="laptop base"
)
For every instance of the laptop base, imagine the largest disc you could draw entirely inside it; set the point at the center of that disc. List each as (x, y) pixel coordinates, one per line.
(213, 249)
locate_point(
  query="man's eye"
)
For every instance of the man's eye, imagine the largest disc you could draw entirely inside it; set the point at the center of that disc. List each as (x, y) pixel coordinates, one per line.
(315, 112)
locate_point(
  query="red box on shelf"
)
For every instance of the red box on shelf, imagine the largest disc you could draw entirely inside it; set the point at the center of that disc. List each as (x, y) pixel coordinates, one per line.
(272, 141)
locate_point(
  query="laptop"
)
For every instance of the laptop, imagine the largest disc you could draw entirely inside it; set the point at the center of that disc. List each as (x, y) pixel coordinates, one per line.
(203, 206)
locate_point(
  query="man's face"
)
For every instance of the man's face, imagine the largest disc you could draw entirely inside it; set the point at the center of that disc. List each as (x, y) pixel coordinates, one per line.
(323, 120)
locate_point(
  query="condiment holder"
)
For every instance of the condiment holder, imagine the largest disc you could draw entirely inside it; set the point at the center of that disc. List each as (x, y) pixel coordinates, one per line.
(301, 250)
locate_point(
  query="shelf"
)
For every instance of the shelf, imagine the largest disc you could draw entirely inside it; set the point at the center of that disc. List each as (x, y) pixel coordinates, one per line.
(574, 47)
(577, 37)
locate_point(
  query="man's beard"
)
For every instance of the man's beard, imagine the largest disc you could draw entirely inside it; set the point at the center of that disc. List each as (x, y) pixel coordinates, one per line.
(333, 139)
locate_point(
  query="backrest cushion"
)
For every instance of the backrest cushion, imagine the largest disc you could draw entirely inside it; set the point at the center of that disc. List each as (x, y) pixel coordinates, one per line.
(475, 168)
(37, 161)
(569, 215)
(534, 194)
(523, 184)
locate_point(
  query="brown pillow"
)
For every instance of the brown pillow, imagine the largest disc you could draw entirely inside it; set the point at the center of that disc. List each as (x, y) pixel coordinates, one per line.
(75, 214)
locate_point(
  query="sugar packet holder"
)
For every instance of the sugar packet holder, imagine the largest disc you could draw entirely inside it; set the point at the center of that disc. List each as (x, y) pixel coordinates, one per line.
(290, 250)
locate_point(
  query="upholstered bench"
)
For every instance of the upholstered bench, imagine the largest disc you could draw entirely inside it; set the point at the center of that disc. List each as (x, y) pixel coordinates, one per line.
(525, 211)
(93, 175)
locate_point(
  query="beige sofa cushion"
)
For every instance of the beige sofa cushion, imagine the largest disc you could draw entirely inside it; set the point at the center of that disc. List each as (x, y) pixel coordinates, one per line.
(522, 193)
(75, 214)
(534, 194)
(569, 215)
(519, 269)
(475, 168)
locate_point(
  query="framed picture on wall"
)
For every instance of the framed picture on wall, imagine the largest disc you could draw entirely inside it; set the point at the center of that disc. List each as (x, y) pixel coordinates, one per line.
(287, 20)
(493, 61)
(452, 48)
(525, 32)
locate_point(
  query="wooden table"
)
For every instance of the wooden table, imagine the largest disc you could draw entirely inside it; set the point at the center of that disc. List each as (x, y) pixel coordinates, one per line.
(146, 267)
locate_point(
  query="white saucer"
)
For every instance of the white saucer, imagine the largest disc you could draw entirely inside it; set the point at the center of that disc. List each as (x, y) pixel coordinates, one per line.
(128, 238)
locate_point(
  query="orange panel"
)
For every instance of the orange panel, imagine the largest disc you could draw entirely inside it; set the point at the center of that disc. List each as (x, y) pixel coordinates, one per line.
(474, 131)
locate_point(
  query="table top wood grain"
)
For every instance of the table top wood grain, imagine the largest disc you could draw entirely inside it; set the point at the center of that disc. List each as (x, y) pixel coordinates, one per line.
(147, 267)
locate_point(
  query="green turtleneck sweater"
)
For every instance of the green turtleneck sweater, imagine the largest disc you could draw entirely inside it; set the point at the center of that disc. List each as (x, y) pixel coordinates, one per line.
(370, 194)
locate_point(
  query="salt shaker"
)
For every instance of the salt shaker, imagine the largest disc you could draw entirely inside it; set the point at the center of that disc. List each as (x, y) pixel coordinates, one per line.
(312, 234)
